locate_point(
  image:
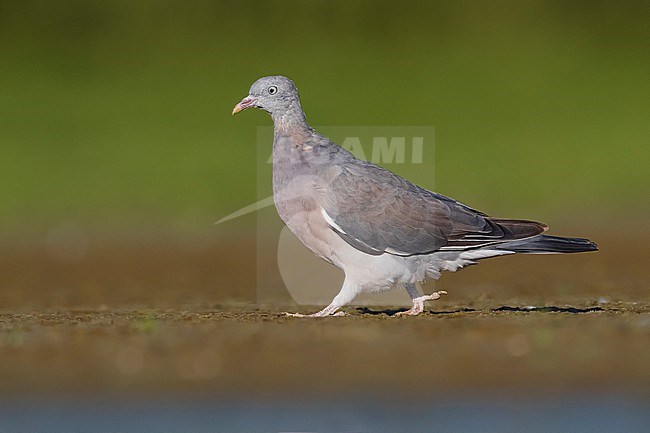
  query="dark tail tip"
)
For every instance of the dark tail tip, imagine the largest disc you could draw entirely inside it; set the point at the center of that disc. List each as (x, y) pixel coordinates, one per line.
(551, 244)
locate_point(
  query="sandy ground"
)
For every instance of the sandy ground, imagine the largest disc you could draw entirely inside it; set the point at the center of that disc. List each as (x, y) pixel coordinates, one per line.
(166, 316)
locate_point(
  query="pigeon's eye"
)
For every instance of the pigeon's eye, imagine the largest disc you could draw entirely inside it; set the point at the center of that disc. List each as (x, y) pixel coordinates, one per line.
(273, 90)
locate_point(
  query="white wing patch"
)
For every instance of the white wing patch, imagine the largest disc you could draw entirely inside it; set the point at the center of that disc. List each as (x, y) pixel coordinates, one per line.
(331, 222)
(393, 251)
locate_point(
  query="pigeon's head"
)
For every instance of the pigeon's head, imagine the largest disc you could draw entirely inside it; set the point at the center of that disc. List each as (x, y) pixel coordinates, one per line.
(275, 94)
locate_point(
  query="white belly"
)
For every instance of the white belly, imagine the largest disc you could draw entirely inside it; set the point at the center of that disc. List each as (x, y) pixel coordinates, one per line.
(372, 273)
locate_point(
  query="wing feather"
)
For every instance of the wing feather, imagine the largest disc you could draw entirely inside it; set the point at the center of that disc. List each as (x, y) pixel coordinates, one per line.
(377, 212)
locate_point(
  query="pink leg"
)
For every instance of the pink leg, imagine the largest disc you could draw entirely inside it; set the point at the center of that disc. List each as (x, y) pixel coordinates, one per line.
(330, 310)
(418, 303)
(345, 296)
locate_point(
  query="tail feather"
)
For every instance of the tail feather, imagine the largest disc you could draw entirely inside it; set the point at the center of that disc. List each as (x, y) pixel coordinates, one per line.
(546, 244)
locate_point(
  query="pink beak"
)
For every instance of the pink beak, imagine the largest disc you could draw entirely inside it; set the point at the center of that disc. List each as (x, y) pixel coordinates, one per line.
(244, 104)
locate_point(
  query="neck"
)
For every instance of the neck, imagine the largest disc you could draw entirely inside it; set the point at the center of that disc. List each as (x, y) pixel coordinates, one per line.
(292, 118)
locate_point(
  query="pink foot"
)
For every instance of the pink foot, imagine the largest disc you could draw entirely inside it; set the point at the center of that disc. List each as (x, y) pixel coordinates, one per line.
(337, 314)
(418, 304)
(327, 311)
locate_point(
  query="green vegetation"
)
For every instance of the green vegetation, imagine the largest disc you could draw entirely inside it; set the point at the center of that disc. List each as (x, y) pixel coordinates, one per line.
(117, 114)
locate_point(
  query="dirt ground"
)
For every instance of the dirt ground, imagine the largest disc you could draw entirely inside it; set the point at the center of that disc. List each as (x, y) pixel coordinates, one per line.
(169, 316)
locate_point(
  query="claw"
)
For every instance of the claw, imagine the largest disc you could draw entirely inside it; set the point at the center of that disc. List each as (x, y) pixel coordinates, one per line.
(285, 314)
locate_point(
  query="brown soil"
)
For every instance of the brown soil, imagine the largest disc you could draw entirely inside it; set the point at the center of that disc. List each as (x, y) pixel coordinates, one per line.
(147, 317)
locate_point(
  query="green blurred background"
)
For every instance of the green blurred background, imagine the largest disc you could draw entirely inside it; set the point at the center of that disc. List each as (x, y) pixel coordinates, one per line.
(118, 152)
(115, 115)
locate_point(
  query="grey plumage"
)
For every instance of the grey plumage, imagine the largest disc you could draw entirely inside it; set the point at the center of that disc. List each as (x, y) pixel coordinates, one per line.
(379, 228)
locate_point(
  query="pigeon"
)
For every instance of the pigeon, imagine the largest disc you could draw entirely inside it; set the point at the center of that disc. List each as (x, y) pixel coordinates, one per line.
(380, 229)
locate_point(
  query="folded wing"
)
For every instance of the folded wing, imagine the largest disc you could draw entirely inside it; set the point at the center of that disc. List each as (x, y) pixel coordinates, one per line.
(377, 212)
